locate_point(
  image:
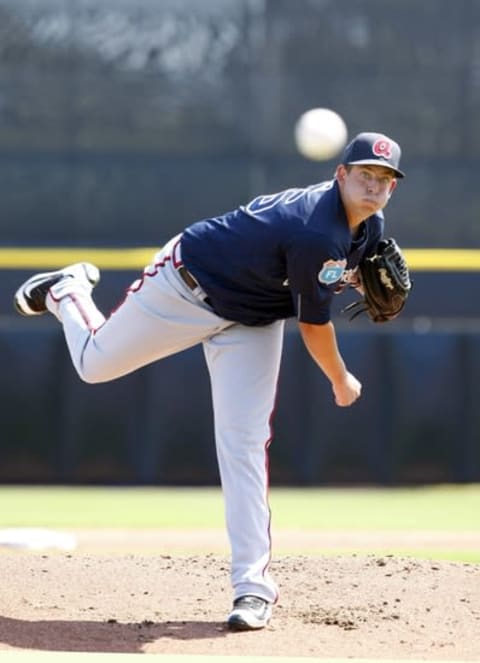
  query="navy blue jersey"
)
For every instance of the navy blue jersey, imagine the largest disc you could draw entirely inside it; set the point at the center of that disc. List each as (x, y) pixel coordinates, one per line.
(280, 256)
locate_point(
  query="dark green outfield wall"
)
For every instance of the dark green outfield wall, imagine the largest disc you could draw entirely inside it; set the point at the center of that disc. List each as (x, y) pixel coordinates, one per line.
(418, 419)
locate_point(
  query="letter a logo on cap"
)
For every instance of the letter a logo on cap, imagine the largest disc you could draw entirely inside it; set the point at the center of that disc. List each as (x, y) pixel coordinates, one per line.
(382, 148)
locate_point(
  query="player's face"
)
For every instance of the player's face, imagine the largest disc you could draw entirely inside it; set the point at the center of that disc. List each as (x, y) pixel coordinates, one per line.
(365, 189)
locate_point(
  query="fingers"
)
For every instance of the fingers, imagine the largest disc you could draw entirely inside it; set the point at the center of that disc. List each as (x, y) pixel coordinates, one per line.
(346, 402)
(347, 391)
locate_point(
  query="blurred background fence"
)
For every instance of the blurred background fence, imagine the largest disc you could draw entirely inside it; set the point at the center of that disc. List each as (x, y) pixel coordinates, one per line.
(121, 122)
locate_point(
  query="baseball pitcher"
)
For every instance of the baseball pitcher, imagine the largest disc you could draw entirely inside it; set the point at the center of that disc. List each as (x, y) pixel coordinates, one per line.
(229, 282)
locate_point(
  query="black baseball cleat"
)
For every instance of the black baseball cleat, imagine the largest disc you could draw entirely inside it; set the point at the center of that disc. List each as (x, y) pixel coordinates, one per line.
(249, 613)
(30, 297)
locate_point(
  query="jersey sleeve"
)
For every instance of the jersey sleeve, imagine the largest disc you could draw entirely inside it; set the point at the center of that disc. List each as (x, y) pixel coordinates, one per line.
(314, 267)
(375, 233)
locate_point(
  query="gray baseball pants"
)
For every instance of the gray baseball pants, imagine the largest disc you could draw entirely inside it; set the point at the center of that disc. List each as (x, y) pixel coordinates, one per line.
(162, 315)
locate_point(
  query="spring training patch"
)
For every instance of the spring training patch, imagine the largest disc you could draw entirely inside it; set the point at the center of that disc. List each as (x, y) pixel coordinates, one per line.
(331, 271)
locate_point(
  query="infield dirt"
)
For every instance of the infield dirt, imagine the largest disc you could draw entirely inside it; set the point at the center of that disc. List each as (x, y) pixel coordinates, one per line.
(356, 605)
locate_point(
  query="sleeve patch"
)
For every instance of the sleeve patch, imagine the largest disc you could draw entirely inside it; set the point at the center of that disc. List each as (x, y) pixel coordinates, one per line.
(332, 271)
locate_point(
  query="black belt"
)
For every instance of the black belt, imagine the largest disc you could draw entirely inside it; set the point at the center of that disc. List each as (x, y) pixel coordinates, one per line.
(187, 278)
(191, 282)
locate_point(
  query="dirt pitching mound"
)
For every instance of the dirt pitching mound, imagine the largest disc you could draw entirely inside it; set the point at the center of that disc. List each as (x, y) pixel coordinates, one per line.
(352, 606)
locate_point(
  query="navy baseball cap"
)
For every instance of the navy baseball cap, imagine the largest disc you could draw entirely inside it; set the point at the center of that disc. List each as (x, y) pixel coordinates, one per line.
(372, 149)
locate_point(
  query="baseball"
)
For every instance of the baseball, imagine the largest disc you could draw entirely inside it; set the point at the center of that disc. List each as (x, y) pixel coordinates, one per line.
(320, 134)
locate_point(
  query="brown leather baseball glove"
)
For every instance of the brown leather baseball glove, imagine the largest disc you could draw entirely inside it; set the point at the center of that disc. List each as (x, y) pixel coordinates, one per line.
(385, 282)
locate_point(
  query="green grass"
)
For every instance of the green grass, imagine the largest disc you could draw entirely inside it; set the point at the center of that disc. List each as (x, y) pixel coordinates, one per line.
(110, 507)
(446, 507)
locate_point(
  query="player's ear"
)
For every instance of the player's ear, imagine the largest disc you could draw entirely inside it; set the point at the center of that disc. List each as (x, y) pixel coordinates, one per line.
(393, 185)
(340, 172)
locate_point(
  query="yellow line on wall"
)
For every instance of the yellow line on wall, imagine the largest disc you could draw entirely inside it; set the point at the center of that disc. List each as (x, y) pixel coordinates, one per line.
(53, 258)
(34, 258)
(461, 260)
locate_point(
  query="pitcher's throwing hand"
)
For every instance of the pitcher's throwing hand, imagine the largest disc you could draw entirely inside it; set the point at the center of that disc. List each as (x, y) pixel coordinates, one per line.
(347, 391)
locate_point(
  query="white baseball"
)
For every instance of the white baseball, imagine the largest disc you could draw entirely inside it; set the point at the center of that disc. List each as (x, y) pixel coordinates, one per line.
(320, 134)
